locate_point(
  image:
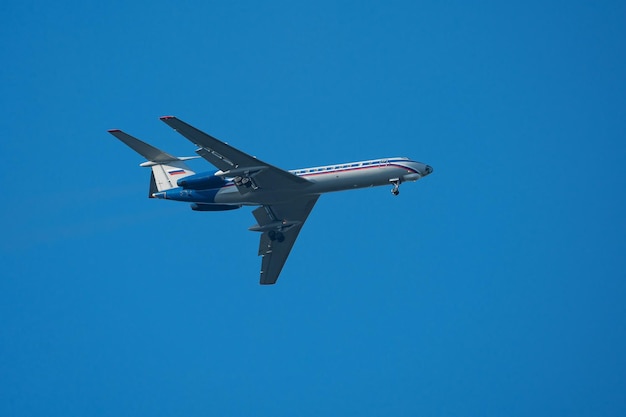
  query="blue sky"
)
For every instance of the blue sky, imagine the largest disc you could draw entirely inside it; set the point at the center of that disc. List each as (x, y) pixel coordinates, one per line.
(494, 287)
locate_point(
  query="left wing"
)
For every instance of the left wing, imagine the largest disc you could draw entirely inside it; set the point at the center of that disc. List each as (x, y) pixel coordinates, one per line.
(249, 172)
(280, 225)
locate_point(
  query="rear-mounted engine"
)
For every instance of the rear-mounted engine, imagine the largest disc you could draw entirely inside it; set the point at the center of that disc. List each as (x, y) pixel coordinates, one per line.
(203, 181)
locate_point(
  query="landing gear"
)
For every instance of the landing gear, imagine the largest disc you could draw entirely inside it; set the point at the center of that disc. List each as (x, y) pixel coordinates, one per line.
(245, 182)
(396, 186)
(274, 235)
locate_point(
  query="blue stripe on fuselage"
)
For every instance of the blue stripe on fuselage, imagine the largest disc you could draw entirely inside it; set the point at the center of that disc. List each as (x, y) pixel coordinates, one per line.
(355, 166)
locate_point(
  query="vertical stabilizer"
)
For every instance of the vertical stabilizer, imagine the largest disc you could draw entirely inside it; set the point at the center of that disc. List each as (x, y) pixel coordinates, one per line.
(166, 175)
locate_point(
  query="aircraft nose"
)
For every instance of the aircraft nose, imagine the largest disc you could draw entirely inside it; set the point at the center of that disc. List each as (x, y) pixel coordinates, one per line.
(428, 170)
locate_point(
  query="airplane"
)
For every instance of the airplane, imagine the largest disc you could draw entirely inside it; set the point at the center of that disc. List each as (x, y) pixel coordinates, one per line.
(283, 198)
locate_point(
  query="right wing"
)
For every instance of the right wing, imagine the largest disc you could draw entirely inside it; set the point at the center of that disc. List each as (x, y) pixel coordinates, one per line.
(252, 173)
(280, 225)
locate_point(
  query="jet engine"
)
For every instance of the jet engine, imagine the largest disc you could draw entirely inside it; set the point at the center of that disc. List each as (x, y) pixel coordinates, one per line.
(202, 181)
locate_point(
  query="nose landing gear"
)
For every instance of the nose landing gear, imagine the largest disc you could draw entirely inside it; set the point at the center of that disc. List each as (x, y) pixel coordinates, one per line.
(396, 186)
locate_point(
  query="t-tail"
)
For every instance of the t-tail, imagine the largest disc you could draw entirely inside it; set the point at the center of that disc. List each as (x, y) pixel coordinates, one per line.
(166, 169)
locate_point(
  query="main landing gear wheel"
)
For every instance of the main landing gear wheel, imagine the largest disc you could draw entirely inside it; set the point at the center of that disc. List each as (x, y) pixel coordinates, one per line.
(243, 182)
(274, 235)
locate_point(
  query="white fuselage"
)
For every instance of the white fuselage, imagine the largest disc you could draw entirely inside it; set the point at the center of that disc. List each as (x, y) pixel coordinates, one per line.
(330, 178)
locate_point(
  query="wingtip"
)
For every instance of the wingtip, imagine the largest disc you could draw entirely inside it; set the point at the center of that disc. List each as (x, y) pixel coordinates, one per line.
(113, 130)
(166, 117)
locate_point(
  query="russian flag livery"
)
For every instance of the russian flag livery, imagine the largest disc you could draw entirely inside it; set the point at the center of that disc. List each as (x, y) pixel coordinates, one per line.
(283, 199)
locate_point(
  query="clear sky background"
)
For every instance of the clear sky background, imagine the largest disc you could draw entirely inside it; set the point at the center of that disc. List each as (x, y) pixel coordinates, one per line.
(494, 287)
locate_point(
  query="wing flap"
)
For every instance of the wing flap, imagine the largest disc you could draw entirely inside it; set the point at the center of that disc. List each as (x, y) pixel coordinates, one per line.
(215, 158)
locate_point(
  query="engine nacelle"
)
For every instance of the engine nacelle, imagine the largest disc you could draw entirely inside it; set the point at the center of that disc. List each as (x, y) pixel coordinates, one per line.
(202, 181)
(213, 207)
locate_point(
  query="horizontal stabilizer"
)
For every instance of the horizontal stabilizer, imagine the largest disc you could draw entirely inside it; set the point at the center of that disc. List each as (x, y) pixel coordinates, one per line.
(142, 148)
(166, 169)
